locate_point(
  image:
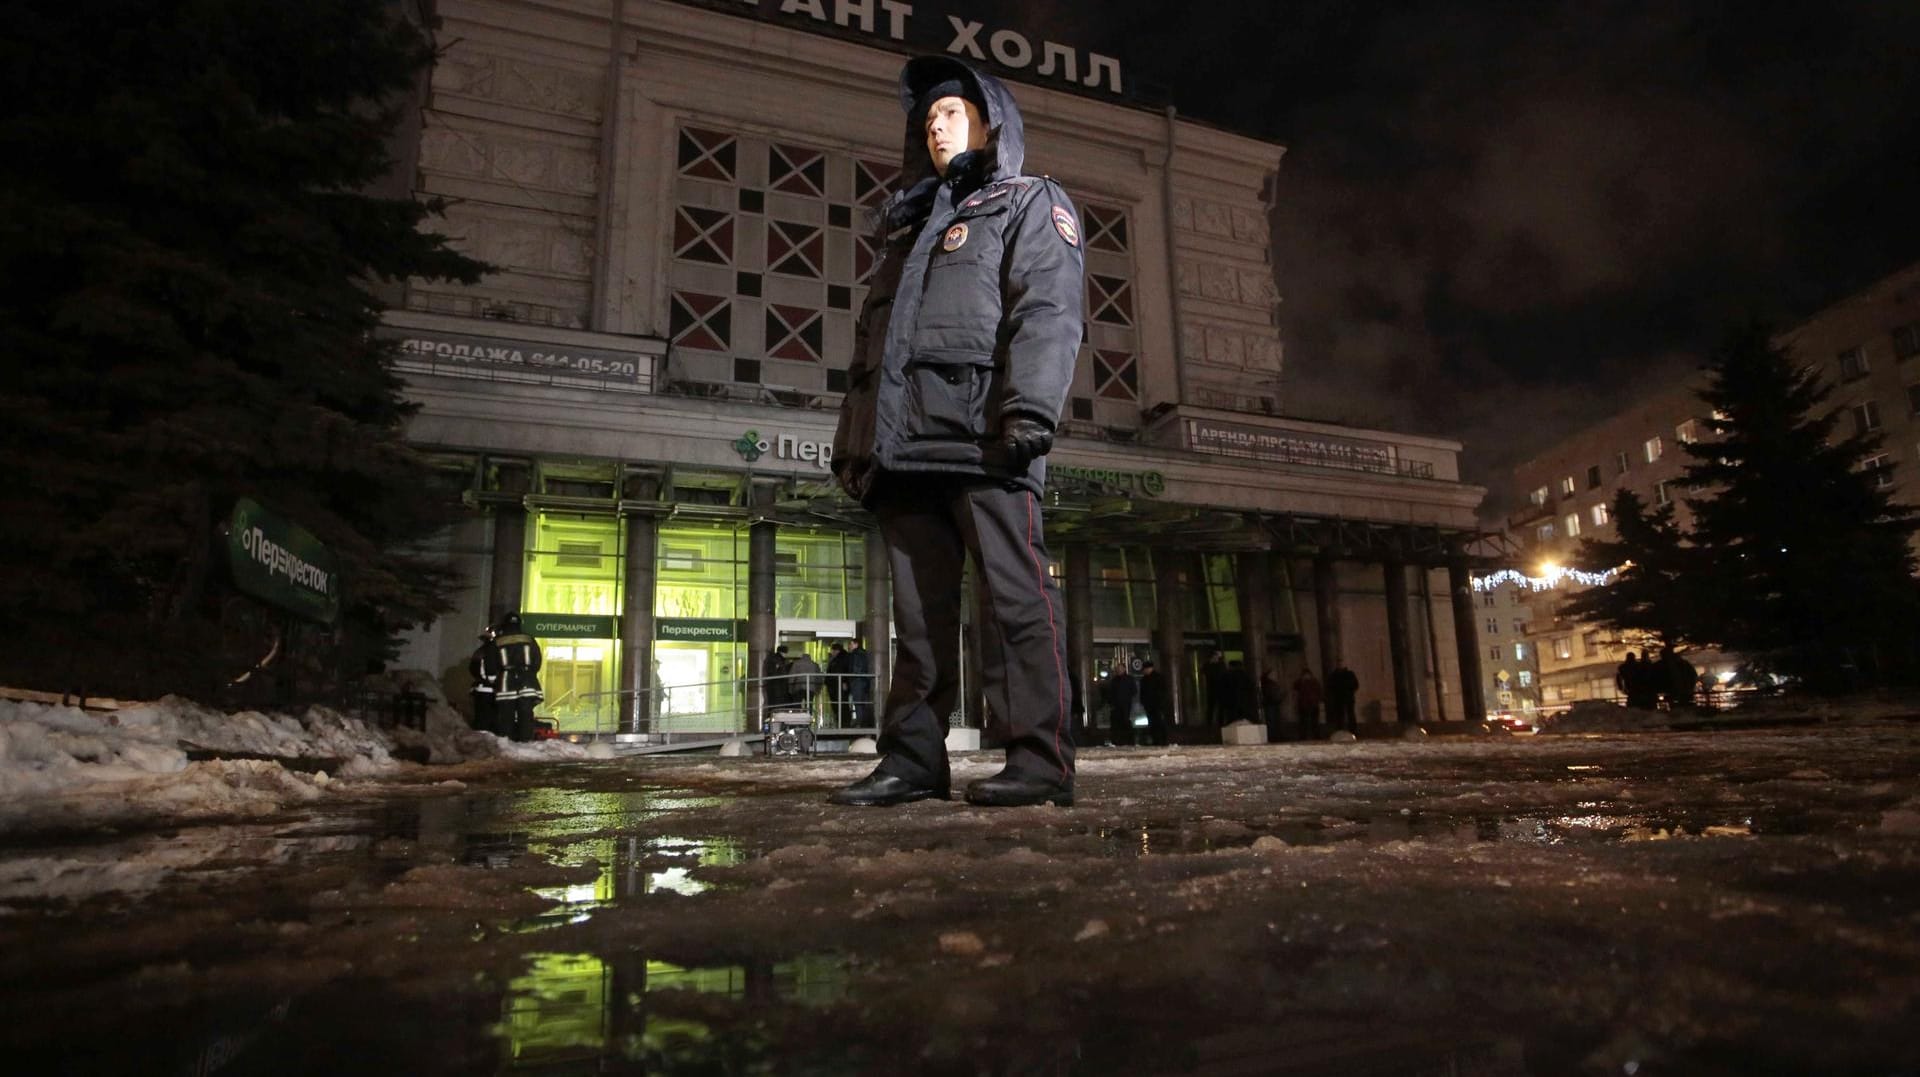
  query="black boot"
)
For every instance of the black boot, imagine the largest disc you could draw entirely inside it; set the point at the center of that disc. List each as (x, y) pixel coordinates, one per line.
(1010, 790)
(882, 790)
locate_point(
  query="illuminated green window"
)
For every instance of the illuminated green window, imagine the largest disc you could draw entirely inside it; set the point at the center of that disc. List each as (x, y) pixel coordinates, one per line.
(573, 574)
(702, 572)
(820, 575)
(1221, 611)
(700, 576)
(1122, 587)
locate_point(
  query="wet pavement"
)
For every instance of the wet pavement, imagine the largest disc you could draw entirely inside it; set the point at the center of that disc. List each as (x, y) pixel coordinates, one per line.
(1730, 902)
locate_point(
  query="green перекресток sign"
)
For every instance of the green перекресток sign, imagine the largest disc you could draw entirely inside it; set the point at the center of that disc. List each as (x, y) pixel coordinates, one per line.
(279, 563)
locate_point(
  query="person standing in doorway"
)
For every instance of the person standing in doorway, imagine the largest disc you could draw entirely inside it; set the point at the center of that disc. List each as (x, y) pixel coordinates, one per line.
(804, 677)
(1213, 676)
(1343, 690)
(1272, 692)
(860, 684)
(837, 685)
(1121, 691)
(1155, 700)
(1306, 704)
(963, 356)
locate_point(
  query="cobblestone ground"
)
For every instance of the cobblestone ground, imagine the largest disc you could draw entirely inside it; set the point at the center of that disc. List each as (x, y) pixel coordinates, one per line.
(1685, 903)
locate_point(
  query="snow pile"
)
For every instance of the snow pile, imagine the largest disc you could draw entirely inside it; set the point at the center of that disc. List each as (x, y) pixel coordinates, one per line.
(61, 766)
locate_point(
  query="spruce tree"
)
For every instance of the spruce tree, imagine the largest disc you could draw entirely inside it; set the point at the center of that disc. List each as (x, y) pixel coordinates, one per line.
(1809, 566)
(190, 254)
(1656, 576)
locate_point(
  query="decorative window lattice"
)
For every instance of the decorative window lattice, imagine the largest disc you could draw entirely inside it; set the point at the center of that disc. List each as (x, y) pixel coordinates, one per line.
(701, 321)
(1106, 228)
(1116, 375)
(793, 333)
(1110, 299)
(872, 180)
(707, 154)
(703, 235)
(798, 250)
(796, 170)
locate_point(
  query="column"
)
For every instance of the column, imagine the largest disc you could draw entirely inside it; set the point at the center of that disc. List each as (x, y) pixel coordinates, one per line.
(1466, 639)
(1169, 634)
(1433, 646)
(639, 505)
(762, 534)
(1326, 614)
(1079, 566)
(512, 480)
(1255, 593)
(879, 623)
(1406, 694)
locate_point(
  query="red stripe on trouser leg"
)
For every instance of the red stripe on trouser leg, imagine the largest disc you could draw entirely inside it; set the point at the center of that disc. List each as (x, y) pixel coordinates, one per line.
(1053, 638)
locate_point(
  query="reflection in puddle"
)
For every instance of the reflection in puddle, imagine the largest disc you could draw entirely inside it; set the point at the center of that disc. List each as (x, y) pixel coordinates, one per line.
(629, 867)
(576, 1007)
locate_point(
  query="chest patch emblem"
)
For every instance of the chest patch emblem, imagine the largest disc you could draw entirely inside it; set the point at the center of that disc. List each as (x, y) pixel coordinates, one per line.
(955, 238)
(1063, 223)
(988, 197)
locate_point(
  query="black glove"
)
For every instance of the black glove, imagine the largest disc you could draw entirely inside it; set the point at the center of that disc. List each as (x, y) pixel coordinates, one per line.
(1025, 439)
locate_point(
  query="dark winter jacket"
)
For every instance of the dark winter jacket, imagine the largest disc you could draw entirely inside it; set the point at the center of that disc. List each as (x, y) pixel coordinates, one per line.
(520, 655)
(975, 311)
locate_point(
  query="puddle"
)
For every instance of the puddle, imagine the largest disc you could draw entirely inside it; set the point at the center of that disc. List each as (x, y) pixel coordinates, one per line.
(1436, 829)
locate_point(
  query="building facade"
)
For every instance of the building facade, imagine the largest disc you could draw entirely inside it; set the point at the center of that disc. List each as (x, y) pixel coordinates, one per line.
(638, 403)
(1866, 347)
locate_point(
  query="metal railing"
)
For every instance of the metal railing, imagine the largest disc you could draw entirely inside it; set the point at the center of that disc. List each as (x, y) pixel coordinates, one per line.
(720, 707)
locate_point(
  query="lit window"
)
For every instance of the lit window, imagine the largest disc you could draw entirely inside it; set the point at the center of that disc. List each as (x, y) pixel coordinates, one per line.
(1619, 463)
(1853, 363)
(1566, 486)
(1652, 449)
(1866, 417)
(1519, 652)
(1544, 532)
(1563, 647)
(1601, 515)
(1572, 523)
(1526, 678)
(1687, 433)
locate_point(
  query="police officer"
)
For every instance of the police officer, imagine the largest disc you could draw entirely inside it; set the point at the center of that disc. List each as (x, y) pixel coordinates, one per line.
(963, 356)
(519, 679)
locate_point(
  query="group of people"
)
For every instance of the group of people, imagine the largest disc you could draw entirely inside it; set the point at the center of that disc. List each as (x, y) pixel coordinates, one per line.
(1231, 696)
(505, 668)
(1665, 678)
(1121, 692)
(796, 682)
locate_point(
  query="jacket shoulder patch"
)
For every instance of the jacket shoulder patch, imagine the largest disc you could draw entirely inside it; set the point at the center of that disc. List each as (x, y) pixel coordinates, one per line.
(1064, 224)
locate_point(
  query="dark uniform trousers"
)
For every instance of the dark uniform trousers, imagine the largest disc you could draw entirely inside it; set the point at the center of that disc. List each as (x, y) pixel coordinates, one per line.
(932, 524)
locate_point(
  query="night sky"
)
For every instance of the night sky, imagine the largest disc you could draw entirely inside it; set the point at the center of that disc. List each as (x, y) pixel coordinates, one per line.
(1494, 217)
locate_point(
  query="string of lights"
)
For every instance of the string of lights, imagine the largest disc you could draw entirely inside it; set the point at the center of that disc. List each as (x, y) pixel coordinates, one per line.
(1551, 576)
